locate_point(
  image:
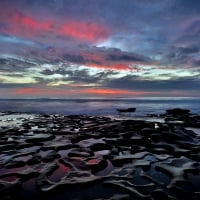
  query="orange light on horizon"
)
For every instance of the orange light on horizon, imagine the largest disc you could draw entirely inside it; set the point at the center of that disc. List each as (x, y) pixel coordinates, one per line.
(76, 92)
(88, 92)
(109, 66)
(106, 91)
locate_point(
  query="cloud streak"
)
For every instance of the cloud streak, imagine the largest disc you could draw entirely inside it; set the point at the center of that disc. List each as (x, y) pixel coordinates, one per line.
(103, 48)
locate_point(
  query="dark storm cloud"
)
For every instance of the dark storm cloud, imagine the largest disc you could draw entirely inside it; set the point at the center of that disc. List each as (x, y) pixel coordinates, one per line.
(14, 65)
(74, 58)
(54, 71)
(76, 76)
(13, 85)
(196, 63)
(183, 55)
(135, 83)
(124, 57)
(189, 50)
(3, 61)
(84, 76)
(182, 52)
(90, 56)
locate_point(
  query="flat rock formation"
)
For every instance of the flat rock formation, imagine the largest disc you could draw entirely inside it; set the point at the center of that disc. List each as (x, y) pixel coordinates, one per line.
(97, 158)
(127, 110)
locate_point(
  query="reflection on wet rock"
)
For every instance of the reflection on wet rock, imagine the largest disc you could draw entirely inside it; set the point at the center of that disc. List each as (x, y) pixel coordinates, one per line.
(57, 156)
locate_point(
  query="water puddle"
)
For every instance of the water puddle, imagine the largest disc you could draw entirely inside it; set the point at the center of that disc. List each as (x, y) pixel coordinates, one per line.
(107, 170)
(9, 120)
(102, 152)
(13, 170)
(59, 173)
(64, 153)
(44, 153)
(29, 190)
(23, 158)
(196, 130)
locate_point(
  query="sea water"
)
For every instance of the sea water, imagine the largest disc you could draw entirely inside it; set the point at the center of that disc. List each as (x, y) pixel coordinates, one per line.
(105, 107)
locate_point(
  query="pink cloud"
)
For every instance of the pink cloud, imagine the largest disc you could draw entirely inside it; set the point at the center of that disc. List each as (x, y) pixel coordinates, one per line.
(26, 26)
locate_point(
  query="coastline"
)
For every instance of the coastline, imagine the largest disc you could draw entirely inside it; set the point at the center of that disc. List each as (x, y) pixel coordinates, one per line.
(104, 107)
(96, 157)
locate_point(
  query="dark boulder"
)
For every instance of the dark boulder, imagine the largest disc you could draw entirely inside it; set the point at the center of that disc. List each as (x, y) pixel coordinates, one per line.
(127, 110)
(178, 111)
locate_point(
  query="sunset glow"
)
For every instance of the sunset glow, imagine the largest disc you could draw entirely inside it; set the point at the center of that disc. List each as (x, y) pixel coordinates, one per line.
(116, 49)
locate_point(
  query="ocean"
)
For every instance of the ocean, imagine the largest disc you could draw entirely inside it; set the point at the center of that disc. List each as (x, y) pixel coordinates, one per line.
(99, 107)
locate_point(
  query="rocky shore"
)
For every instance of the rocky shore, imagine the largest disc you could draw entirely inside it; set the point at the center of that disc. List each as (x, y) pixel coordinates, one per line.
(86, 157)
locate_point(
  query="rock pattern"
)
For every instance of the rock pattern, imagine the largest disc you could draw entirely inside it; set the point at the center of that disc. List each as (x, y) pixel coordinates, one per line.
(86, 157)
(183, 117)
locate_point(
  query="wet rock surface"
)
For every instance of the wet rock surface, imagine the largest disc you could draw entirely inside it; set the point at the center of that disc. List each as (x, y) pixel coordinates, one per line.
(183, 117)
(87, 157)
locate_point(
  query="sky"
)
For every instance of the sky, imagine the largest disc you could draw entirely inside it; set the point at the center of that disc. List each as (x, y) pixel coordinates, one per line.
(99, 48)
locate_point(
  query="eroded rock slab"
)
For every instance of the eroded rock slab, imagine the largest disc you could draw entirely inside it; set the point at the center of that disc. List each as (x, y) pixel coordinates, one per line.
(61, 156)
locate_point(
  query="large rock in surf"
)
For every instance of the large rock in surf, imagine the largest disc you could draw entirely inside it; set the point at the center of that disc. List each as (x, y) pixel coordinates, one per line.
(178, 111)
(127, 110)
